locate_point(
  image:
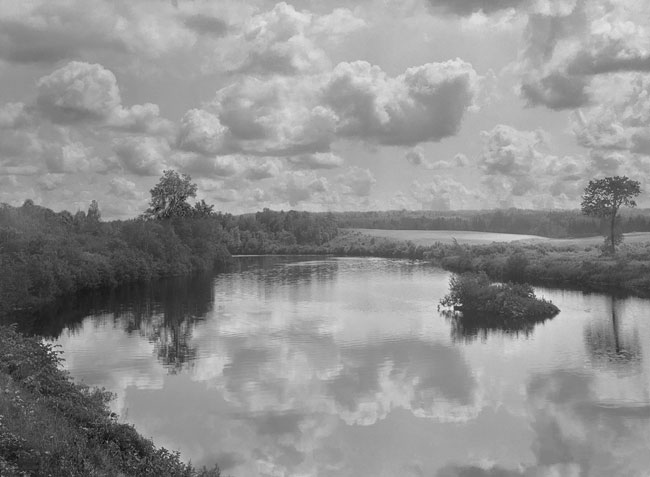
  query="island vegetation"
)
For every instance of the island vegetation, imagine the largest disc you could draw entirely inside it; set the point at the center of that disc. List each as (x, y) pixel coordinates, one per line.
(508, 305)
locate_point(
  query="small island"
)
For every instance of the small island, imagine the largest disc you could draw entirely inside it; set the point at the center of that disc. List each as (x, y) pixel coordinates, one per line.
(506, 305)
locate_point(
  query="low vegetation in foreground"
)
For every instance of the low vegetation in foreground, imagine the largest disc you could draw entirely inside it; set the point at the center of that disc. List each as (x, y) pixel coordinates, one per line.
(506, 304)
(51, 426)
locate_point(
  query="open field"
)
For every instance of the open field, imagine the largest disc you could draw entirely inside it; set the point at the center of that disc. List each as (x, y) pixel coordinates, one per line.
(430, 237)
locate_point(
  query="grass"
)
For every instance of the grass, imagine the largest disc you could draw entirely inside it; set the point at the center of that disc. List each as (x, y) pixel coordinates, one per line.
(430, 237)
(51, 426)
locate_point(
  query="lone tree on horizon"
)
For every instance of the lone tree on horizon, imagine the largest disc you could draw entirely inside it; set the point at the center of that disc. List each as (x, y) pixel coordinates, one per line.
(169, 196)
(604, 197)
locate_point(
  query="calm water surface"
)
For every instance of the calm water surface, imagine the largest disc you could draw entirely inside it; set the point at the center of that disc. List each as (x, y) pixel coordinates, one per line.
(344, 367)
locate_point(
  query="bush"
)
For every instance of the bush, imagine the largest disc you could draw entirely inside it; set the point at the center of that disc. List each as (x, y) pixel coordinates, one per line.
(509, 304)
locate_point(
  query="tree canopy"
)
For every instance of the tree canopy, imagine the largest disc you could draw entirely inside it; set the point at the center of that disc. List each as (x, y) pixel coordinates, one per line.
(604, 197)
(169, 196)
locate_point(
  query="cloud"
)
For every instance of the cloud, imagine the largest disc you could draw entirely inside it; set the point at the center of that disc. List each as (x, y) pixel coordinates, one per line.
(258, 169)
(326, 160)
(426, 103)
(80, 93)
(567, 48)
(415, 156)
(49, 182)
(297, 187)
(517, 169)
(201, 132)
(616, 131)
(278, 43)
(468, 7)
(358, 181)
(292, 116)
(124, 189)
(206, 25)
(460, 160)
(14, 116)
(142, 156)
(285, 41)
(221, 166)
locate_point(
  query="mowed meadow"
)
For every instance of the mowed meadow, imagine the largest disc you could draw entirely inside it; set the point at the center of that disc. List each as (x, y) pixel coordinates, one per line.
(431, 237)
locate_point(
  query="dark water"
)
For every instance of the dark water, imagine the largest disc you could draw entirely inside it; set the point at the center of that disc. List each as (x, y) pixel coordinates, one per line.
(344, 367)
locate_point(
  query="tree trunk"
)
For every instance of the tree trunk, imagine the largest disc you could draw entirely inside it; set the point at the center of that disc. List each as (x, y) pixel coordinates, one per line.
(612, 231)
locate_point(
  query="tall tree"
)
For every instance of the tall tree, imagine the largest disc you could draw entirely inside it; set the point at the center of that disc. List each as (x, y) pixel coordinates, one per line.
(169, 196)
(604, 197)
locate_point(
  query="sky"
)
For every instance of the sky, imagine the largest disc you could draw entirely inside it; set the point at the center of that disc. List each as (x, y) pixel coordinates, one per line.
(313, 105)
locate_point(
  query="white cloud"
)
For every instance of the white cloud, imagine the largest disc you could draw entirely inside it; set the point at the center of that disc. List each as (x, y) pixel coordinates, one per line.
(326, 160)
(415, 156)
(202, 132)
(143, 156)
(357, 181)
(80, 93)
(518, 170)
(426, 103)
(124, 188)
(297, 187)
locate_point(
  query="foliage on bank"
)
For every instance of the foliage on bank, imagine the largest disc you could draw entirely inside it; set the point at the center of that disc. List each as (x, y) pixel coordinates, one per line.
(44, 254)
(52, 426)
(502, 304)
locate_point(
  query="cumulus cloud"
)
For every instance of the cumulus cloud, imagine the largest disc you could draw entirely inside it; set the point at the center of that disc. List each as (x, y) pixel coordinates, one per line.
(80, 93)
(297, 187)
(567, 48)
(124, 188)
(518, 170)
(357, 181)
(460, 160)
(415, 156)
(206, 24)
(468, 7)
(257, 169)
(143, 156)
(294, 116)
(202, 132)
(616, 131)
(426, 103)
(286, 41)
(14, 116)
(208, 166)
(326, 160)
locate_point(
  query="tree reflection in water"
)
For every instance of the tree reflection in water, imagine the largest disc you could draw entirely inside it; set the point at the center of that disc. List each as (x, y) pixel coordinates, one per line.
(469, 328)
(612, 346)
(164, 311)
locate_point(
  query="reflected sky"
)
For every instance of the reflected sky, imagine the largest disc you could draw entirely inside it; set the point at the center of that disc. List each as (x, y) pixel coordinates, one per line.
(344, 367)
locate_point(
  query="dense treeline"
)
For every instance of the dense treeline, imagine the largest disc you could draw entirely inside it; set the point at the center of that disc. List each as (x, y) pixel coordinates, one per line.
(44, 254)
(556, 224)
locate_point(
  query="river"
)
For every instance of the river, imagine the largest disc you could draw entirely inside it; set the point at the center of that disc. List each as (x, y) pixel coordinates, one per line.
(312, 366)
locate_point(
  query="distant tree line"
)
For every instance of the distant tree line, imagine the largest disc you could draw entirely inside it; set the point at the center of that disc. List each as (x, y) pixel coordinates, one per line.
(555, 224)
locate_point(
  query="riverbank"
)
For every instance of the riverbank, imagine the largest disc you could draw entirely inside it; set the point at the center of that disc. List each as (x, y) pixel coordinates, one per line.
(52, 426)
(575, 265)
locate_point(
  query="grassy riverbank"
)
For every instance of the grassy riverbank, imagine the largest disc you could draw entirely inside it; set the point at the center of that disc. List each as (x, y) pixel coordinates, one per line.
(576, 265)
(52, 426)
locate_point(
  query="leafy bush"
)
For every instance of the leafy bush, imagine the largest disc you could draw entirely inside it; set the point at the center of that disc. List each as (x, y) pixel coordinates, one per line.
(509, 303)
